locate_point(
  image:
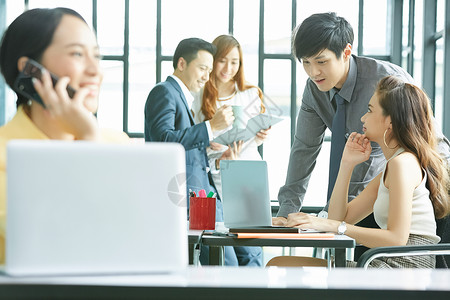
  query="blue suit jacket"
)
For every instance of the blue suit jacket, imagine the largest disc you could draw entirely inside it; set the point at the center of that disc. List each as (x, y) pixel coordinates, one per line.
(168, 119)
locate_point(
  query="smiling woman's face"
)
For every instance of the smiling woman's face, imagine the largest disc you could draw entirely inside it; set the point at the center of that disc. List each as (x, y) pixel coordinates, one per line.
(227, 67)
(74, 52)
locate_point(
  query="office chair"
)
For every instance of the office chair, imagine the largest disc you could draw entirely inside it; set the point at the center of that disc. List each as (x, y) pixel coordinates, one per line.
(441, 250)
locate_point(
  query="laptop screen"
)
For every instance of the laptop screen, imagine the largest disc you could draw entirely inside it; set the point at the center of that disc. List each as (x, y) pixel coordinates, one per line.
(245, 189)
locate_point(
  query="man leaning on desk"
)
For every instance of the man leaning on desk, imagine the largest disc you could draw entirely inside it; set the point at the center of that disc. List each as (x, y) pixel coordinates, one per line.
(323, 44)
(168, 118)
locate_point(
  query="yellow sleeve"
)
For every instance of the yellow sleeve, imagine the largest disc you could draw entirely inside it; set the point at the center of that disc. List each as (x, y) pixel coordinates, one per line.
(114, 136)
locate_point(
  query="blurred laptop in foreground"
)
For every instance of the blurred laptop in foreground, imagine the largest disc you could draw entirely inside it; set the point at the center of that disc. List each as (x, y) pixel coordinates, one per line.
(89, 208)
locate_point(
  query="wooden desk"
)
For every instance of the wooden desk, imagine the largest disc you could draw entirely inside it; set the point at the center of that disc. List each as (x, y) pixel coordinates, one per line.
(238, 283)
(339, 245)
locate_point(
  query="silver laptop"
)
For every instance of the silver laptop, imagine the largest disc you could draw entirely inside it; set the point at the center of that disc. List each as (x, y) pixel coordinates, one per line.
(245, 193)
(90, 208)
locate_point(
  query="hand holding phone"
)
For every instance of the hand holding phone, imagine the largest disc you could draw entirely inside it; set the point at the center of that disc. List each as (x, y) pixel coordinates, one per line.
(24, 84)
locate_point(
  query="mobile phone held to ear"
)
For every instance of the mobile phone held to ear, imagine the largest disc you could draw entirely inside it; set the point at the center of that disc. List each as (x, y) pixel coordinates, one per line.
(24, 85)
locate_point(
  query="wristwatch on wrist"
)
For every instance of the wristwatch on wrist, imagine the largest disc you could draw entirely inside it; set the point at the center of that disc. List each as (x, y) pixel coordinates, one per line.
(217, 164)
(342, 228)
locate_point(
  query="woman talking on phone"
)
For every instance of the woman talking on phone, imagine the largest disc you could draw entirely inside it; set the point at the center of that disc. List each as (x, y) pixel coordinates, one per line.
(61, 42)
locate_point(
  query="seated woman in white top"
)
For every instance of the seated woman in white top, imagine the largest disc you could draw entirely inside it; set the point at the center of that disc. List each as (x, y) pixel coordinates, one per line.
(411, 191)
(227, 87)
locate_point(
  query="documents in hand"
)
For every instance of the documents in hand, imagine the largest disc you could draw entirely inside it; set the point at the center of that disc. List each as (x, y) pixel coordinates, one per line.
(254, 125)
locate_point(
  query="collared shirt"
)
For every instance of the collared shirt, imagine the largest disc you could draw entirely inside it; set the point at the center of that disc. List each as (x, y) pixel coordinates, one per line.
(187, 94)
(316, 114)
(190, 99)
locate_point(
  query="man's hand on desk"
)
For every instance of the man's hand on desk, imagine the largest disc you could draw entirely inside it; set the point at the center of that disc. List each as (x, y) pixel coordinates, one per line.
(279, 221)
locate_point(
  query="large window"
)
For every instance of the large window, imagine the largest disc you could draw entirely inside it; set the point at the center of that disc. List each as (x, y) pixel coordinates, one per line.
(138, 37)
(423, 52)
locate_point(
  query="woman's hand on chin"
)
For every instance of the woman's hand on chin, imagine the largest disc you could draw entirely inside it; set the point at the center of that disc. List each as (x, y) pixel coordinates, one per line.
(357, 149)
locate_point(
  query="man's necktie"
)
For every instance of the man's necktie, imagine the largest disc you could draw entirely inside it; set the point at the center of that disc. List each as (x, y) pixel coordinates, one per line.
(337, 142)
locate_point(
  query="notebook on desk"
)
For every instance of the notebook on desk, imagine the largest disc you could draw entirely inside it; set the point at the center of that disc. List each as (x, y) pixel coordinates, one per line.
(246, 199)
(89, 208)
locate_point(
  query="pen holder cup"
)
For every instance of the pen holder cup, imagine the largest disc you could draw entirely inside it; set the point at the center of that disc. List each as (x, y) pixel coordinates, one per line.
(202, 213)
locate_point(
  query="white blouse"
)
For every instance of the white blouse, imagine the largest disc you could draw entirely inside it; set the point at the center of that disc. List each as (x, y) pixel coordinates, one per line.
(251, 104)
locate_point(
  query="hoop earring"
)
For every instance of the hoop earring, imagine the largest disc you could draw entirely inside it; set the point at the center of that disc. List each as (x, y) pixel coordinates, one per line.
(384, 140)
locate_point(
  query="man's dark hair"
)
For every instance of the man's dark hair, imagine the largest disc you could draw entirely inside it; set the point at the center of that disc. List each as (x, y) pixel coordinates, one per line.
(188, 49)
(319, 32)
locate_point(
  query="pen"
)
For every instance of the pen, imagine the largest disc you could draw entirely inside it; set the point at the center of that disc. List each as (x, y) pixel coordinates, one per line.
(210, 194)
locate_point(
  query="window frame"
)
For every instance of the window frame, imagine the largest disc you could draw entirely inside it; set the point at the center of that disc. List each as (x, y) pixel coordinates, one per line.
(396, 11)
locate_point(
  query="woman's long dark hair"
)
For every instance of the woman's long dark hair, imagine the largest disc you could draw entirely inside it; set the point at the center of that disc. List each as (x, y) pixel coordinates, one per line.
(413, 128)
(29, 35)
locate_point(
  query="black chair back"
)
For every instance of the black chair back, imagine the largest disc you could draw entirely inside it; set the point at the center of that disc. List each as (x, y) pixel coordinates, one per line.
(443, 230)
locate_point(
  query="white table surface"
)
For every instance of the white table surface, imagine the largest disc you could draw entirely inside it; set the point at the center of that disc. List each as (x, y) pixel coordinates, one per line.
(274, 277)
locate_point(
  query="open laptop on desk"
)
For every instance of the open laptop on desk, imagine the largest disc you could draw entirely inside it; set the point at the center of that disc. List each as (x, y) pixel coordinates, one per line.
(246, 200)
(85, 208)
